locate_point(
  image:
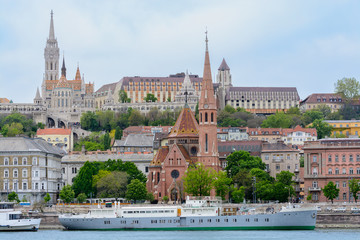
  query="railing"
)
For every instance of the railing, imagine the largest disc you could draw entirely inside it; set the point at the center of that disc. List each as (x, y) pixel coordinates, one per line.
(313, 189)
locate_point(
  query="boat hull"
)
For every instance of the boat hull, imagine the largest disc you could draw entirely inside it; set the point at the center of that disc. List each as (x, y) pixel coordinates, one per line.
(21, 225)
(297, 220)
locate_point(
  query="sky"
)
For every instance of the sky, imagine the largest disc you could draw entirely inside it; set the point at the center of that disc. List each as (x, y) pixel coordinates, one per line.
(299, 43)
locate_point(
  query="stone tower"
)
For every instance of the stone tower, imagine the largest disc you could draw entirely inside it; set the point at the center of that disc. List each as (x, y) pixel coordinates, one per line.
(223, 78)
(208, 152)
(51, 55)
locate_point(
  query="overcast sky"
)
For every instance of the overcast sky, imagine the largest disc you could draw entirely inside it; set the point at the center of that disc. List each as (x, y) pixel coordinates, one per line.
(304, 44)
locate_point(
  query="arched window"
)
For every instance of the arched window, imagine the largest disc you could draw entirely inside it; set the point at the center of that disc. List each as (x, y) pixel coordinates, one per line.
(6, 173)
(206, 142)
(212, 117)
(206, 117)
(6, 161)
(24, 173)
(15, 173)
(51, 66)
(351, 171)
(330, 171)
(200, 117)
(65, 139)
(336, 170)
(62, 102)
(34, 161)
(344, 171)
(15, 161)
(24, 161)
(48, 139)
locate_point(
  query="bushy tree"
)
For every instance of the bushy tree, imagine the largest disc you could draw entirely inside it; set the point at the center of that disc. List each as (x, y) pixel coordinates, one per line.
(348, 87)
(150, 98)
(47, 198)
(354, 188)
(278, 120)
(83, 181)
(238, 195)
(222, 184)
(198, 180)
(67, 194)
(242, 160)
(123, 97)
(81, 197)
(136, 190)
(13, 196)
(330, 191)
(112, 185)
(323, 129)
(118, 133)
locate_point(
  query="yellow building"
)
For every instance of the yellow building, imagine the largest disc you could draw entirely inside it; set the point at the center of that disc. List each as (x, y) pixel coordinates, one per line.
(61, 137)
(345, 127)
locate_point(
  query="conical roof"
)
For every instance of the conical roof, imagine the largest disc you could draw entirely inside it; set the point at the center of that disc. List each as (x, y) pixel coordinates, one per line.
(186, 125)
(63, 83)
(78, 75)
(223, 65)
(37, 96)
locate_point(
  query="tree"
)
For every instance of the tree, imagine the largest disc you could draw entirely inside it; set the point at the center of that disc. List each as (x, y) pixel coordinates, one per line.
(107, 141)
(150, 98)
(285, 177)
(136, 118)
(311, 116)
(354, 188)
(323, 129)
(67, 194)
(12, 130)
(348, 87)
(118, 133)
(229, 109)
(89, 121)
(238, 195)
(150, 197)
(330, 191)
(13, 197)
(112, 185)
(136, 190)
(81, 197)
(222, 184)
(198, 180)
(242, 160)
(47, 198)
(123, 98)
(83, 181)
(278, 120)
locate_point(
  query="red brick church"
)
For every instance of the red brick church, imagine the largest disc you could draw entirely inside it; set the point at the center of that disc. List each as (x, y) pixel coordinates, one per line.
(189, 142)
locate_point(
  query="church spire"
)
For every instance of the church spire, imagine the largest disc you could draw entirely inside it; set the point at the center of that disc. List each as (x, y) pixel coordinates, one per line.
(52, 32)
(63, 68)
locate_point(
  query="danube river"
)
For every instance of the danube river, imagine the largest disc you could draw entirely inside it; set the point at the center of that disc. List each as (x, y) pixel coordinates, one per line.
(318, 234)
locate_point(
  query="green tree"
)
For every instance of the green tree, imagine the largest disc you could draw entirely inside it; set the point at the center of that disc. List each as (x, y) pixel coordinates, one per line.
(242, 160)
(293, 111)
(150, 197)
(81, 197)
(278, 120)
(47, 198)
(107, 141)
(238, 195)
(354, 188)
(285, 177)
(12, 130)
(198, 180)
(83, 181)
(112, 185)
(136, 118)
(89, 121)
(123, 97)
(136, 190)
(222, 184)
(348, 87)
(229, 109)
(150, 98)
(302, 161)
(330, 191)
(13, 197)
(67, 194)
(118, 133)
(323, 129)
(311, 116)
(102, 173)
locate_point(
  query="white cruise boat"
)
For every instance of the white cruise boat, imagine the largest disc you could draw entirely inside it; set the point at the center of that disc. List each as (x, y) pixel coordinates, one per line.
(13, 220)
(196, 214)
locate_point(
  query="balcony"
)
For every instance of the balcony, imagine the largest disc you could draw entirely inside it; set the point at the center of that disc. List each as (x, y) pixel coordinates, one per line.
(314, 189)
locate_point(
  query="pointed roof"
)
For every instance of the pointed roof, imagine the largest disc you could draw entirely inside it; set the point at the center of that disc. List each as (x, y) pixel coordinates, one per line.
(51, 31)
(207, 90)
(63, 68)
(109, 95)
(78, 75)
(186, 125)
(223, 65)
(63, 83)
(160, 156)
(37, 96)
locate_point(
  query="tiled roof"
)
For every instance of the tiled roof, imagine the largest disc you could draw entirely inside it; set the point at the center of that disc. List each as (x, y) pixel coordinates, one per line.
(160, 156)
(223, 65)
(323, 98)
(278, 146)
(53, 131)
(105, 88)
(184, 152)
(63, 83)
(171, 79)
(263, 89)
(298, 128)
(137, 140)
(4, 100)
(186, 125)
(264, 131)
(22, 144)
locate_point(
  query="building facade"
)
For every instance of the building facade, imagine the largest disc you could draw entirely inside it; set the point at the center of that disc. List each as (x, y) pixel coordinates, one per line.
(315, 100)
(345, 127)
(333, 159)
(31, 168)
(60, 137)
(298, 135)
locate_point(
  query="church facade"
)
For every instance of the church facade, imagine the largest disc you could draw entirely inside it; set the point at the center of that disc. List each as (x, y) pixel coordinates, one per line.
(189, 143)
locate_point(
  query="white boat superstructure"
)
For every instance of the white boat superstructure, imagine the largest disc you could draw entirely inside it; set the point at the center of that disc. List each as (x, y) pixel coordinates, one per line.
(196, 214)
(13, 220)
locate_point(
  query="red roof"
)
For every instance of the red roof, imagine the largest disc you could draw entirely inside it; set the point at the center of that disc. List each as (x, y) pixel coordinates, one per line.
(53, 131)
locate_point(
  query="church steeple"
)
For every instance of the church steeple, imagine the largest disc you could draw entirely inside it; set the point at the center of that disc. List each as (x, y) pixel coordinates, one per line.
(52, 32)
(63, 68)
(51, 55)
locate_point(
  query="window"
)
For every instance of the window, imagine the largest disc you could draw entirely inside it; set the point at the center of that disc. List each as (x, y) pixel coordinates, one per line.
(344, 184)
(15, 186)
(6, 186)
(343, 158)
(351, 159)
(24, 173)
(74, 170)
(336, 170)
(24, 161)
(357, 170)
(24, 186)
(277, 167)
(15, 161)
(344, 196)
(351, 171)
(329, 158)
(314, 171)
(6, 161)
(315, 184)
(6, 173)
(358, 157)
(65, 139)
(34, 161)
(344, 171)
(314, 158)
(15, 173)
(336, 158)
(36, 173)
(206, 142)
(267, 157)
(330, 171)
(49, 140)
(212, 117)
(206, 117)
(337, 184)
(43, 186)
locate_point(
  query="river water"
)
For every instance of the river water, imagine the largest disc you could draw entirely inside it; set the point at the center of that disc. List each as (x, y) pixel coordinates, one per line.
(318, 234)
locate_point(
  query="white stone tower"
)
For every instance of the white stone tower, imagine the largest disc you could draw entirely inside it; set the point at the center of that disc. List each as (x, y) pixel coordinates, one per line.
(51, 55)
(223, 78)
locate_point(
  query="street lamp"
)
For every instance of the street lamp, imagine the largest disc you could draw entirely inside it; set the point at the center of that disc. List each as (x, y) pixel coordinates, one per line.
(254, 189)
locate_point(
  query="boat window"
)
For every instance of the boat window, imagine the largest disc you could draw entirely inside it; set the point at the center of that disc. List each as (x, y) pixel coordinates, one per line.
(14, 216)
(256, 220)
(234, 220)
(142, 211)
(192, 220)
(209, 220)
(148, 211)
(226, 220)
(247, 220)
(217, 220)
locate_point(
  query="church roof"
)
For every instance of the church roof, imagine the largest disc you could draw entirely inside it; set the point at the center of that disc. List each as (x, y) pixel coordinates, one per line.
(184, 152)
(223, 65)
(160, 156)
(78, 75)
(186, 125)
(63, 83)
